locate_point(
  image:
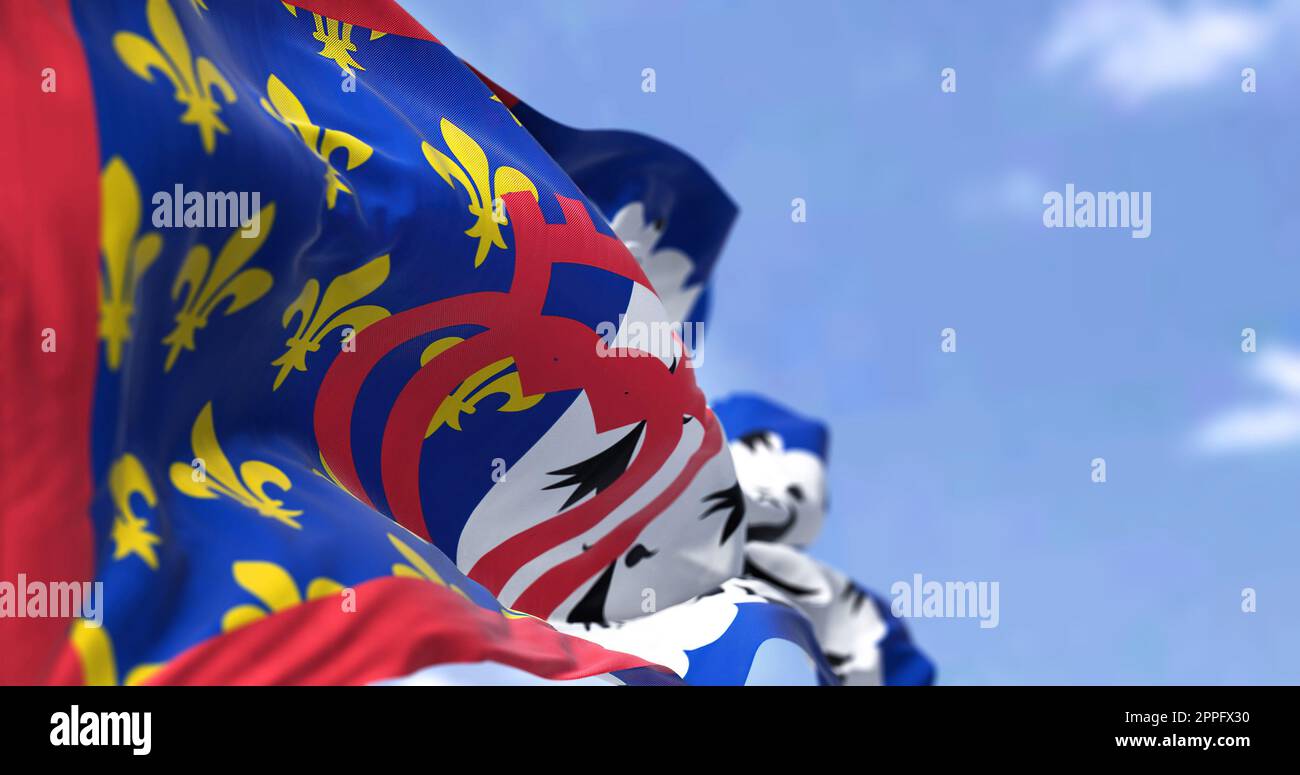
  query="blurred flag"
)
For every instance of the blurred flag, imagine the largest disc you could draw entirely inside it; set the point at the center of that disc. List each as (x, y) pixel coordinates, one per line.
(358, 372)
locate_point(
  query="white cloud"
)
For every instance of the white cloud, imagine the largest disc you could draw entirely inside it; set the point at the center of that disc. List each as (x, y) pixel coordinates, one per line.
(1272, 424)
(1135, 49)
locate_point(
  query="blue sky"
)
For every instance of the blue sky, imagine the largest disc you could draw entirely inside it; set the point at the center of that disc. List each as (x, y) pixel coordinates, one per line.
(925, 212)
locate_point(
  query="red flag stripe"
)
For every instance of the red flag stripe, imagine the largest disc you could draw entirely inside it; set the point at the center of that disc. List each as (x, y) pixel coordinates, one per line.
(49, 271)
(398, 626)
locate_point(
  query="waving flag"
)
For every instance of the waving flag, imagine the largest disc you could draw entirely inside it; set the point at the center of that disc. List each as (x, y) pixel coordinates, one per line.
(349, 378)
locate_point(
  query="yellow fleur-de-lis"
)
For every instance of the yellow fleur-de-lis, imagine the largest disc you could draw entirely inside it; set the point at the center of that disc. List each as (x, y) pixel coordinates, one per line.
(126, 256)
(217, 476)
(98, 664)
(274, 589)
(478, 386)
(208, 285)
(197, 82)
(288, 110)
(131, 533)
(338, 47)
(471, 170)
(314, 322)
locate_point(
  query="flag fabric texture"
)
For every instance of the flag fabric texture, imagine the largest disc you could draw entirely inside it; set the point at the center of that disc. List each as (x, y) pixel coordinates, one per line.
(363, 370)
